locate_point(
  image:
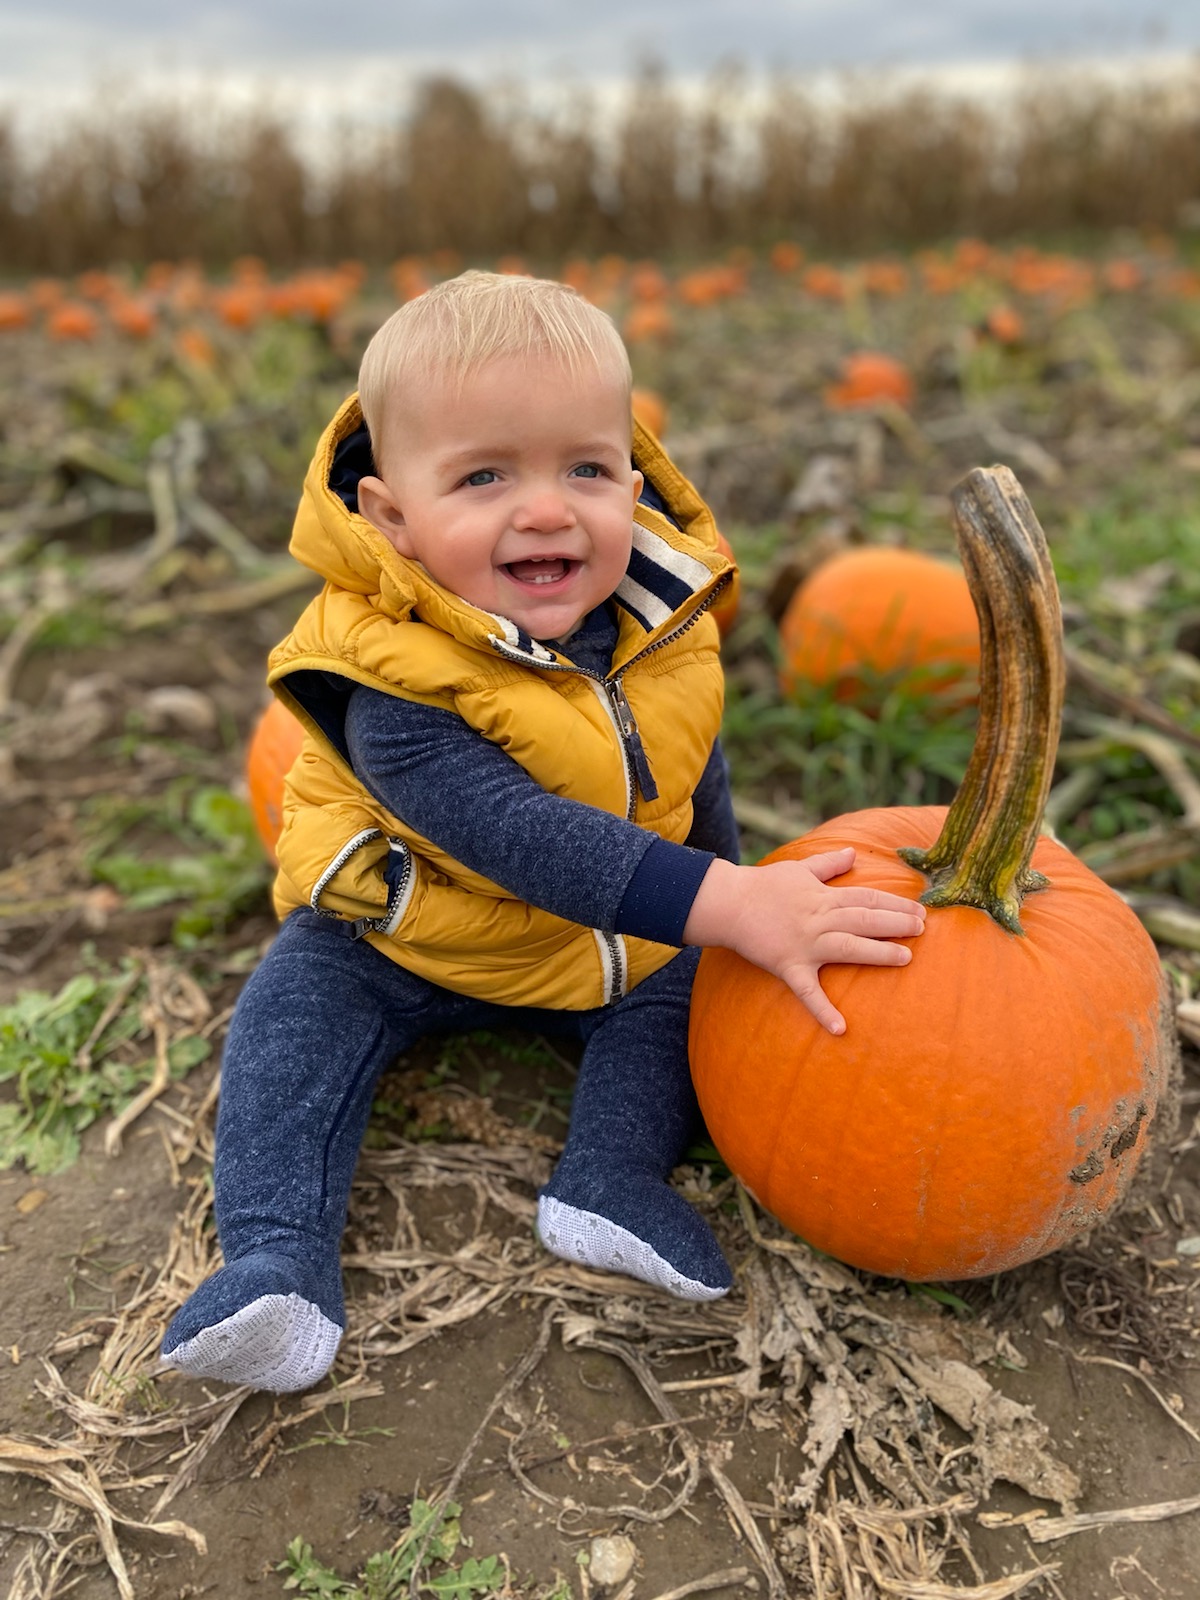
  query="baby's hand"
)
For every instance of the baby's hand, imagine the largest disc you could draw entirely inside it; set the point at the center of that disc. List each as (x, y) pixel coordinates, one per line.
(787, 918)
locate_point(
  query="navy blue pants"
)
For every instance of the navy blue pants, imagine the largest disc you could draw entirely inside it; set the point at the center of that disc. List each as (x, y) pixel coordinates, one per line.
(323, 1015)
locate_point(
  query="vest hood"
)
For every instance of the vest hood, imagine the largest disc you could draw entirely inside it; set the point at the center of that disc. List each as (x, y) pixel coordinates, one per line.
(675, 566)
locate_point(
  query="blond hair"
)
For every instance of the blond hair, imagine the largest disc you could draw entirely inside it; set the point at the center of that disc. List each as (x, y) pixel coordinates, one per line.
(459, 326)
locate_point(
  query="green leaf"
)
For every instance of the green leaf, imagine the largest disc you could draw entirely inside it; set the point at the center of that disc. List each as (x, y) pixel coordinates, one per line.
(187, 1053)
(43, 1151)
(309, 1577)
(387, 1574)
(56, 1095)
(944, 1297)
(442, 1520)
(475, 1576)
(223, 818)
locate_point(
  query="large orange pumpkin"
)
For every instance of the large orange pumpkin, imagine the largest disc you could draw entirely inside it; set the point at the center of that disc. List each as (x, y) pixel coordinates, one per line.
(274, 745)
(991, 1100)
(881, 615)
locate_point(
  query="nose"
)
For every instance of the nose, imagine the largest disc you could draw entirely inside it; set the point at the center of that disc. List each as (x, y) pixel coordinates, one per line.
(543, 509)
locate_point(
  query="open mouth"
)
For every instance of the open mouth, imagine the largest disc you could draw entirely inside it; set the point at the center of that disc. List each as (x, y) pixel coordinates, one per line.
(538, 571)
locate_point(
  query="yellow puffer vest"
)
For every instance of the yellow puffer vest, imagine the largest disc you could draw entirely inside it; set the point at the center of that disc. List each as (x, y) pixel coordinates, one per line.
(634, 744)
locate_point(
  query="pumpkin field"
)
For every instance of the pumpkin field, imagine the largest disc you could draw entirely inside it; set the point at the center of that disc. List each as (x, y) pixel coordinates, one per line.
(500, 1422)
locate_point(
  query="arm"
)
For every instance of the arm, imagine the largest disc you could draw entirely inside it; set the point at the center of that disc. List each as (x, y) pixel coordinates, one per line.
(471, 799)
(604, 872)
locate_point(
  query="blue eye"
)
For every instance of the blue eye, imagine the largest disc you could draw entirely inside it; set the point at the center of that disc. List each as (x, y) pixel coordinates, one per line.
(587, 469)
(480, 480)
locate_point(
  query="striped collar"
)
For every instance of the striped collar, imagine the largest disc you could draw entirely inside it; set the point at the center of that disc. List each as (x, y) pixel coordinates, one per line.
(659, 583)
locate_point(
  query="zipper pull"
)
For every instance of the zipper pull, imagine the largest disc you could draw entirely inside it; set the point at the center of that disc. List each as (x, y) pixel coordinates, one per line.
(633, 740)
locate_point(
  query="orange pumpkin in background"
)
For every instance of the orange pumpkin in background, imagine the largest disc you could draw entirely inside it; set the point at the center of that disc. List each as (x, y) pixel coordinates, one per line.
(274, 746)
(14, 311)
(650, 409)
(725, 612)
(990, 1101)
(647, 320)
(876, 616)
(870, 379)
(72, 320)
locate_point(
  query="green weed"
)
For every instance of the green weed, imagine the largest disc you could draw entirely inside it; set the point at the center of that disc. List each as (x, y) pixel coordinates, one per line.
(942, 1297)
(1144, 520)
(431, 1539)
(74, 1057)
(832, 757)
(220, 871)
(521, 1049)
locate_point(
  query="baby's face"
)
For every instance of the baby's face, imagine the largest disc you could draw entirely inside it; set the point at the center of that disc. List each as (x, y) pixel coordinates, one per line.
(517, 494)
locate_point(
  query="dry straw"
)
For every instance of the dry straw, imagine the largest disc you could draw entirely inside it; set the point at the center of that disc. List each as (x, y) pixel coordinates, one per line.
(901, 1432)
(882, 1505)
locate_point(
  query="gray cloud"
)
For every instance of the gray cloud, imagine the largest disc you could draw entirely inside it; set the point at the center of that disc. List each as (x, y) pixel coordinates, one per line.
(70, 38)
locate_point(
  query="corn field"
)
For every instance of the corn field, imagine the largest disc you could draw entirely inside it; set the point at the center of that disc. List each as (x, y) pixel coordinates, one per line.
(665, 174)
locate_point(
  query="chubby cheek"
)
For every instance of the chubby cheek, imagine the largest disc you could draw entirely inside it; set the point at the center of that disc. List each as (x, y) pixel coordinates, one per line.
(477, 581)
(618, 550)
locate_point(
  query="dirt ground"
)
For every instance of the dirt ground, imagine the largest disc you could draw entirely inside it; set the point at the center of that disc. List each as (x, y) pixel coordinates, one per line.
(1098, 1342)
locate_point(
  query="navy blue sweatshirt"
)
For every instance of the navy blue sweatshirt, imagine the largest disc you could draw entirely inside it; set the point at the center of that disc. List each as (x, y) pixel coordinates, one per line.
(430, 768)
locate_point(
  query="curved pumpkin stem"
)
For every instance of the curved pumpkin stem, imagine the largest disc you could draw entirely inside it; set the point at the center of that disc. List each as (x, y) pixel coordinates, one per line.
(981, 857)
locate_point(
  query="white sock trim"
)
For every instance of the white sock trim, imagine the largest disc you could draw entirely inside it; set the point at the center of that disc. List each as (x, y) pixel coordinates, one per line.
(279, 1342)
(584, 1236)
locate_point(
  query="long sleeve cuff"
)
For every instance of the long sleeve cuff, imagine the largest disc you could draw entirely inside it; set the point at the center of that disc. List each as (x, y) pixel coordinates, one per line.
(659, 895)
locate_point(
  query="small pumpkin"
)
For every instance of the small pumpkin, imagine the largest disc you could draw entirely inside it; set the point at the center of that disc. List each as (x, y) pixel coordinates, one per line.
(650, 409)
(274, 745)
(870, 379)
(647, 320)
(879, 614)
(725, 612)
(990, 1101)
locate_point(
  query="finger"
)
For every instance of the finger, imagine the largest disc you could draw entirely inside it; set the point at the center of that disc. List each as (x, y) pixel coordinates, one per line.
(874, 924)
(830, 864)
(878, 900)
(811, 995)
(823, 1008)
(850, 949)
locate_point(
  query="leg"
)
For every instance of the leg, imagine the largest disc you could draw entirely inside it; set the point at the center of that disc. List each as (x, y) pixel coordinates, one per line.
(317, 1022)
(634, 1110)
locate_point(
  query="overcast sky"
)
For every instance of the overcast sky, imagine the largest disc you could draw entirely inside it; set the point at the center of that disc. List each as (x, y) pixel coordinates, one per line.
(49, 48)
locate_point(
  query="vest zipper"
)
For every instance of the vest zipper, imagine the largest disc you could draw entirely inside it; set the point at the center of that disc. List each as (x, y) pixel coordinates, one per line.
(634, 761)
(605, 697)
(615, 964)
(400, 886)
(629, 739)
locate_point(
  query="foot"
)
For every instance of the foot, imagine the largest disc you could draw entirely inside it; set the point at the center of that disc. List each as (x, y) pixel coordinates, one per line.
(258, 1321)
(648, 1232)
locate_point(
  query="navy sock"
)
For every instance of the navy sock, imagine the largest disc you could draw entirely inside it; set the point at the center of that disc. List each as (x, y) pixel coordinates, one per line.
(317, 1022)
(262, 1321)
(608, 1203)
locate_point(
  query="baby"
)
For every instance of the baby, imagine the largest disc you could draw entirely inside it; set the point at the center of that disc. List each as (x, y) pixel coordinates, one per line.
(511, 808)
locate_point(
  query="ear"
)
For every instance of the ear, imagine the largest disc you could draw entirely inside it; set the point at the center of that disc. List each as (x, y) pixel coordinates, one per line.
(379, 505)
(639, 483)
